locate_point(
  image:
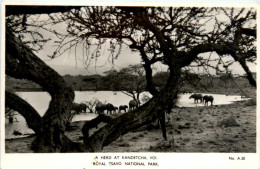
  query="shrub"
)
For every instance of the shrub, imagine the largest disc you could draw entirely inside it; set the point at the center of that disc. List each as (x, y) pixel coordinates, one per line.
(170, 132)
(124, 145)
(229, 122)
(134, 138)
(141, 135)
(250, 102)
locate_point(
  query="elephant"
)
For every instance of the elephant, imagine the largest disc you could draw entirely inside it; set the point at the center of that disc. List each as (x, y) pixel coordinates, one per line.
(133, 104)
(196, 97)
(110, 108)
(78, 108)
(122, 107)
(207, 99)
(100, 108)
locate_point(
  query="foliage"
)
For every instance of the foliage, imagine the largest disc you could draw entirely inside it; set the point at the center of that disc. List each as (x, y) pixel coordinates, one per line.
(206, 84)
(250, 102)
(92, 104)
(130, 80)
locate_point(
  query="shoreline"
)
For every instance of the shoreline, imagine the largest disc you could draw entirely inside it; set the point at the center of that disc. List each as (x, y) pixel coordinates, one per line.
(81, 122)
(89, 90)
(194, 129)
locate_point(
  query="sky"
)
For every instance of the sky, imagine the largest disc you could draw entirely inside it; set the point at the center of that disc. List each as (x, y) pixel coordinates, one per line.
(72, 62)
(66, 64)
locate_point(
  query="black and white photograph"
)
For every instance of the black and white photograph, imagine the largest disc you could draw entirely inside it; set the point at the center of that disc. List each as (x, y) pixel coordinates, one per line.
(150, 79)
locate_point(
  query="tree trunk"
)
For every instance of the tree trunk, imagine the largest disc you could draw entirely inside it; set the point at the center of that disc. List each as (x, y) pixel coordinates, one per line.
(141, 116)
(21, 63)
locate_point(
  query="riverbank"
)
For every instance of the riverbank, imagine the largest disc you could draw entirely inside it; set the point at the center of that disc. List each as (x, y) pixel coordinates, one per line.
(193, 129)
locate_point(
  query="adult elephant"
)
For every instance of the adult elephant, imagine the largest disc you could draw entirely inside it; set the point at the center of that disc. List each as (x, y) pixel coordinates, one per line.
(100, 108)
(196, 97)
(122, 107)
(207, 99)
(133, 104)
(111, 108)
(78, 108)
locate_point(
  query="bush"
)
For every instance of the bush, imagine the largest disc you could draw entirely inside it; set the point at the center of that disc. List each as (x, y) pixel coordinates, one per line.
(134, 138)
(250, 102)
(229, 122)
(141, 135)
(124, 145)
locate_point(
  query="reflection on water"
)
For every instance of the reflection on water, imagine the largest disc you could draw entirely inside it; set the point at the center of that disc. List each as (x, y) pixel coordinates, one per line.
(40, 101)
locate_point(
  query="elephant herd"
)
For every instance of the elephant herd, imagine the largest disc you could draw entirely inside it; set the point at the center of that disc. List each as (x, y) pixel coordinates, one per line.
(78, 108)
(110, 108)
(203, 99)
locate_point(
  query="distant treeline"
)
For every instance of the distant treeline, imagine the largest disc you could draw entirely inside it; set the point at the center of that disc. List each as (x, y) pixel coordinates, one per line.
(194, 83)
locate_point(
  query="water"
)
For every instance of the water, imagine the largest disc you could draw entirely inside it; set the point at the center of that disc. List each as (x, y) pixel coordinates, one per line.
(219, 99)
(40, 101)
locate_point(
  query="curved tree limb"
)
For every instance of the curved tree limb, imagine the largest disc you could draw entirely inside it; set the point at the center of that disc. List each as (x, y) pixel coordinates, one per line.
(187, 58)
(33, 119)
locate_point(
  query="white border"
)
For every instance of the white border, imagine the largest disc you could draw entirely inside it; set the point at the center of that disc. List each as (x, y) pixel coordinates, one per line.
(165, 160)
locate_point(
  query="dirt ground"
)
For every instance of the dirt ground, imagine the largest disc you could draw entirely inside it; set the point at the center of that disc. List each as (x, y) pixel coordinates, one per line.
(226, 128)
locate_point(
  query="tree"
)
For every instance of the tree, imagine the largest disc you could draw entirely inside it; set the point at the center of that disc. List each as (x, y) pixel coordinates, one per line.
(173, 36)
(129, 80)
(22, 63)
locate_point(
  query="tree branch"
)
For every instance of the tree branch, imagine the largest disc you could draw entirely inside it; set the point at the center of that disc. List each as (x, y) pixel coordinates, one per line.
(21, 9)
(33, 119)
